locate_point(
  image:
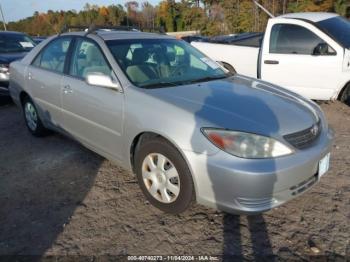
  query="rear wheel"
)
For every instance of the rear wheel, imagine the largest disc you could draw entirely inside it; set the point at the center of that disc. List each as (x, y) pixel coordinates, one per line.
(32, 119)
(345, 95)
(164, 176)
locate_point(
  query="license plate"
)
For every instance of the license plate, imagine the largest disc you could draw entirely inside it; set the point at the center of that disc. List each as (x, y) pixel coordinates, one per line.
(323, 165)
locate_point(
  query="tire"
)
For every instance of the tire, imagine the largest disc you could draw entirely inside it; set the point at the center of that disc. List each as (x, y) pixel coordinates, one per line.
(163, 176)
(345, 95)
(32, 119)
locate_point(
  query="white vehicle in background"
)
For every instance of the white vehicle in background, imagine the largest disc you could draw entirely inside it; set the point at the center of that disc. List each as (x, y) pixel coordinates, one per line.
(308, 53)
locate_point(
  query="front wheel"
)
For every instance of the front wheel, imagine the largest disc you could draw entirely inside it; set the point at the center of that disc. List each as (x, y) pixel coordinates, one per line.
(345, 95)
(164, 176)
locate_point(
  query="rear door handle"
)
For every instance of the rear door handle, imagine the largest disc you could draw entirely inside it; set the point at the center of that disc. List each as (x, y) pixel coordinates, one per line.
(30, 76)
(271, 62)
(67, 89)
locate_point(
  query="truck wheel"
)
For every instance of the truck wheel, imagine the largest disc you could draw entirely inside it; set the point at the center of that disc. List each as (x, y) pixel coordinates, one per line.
(345, 95)
(164, 176)
(32, 119)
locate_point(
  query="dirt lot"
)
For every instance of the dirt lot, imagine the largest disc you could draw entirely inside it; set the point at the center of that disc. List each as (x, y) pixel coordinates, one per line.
(58, 198)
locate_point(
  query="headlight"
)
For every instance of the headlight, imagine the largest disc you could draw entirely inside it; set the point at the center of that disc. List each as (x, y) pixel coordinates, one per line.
(4, 68)
(246, 145)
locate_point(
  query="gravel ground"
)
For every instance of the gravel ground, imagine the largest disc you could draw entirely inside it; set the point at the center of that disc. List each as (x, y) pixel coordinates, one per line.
(58, 198)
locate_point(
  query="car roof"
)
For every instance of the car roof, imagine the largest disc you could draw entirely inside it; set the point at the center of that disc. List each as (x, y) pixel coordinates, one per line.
(116, 35)
(11, 33)
(310, 16)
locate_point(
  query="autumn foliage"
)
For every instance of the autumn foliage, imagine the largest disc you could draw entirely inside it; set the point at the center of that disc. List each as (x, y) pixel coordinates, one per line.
(211, 17)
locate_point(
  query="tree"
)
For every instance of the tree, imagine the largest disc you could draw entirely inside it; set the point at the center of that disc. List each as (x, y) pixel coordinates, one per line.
(311, 6)
(212, 17)
(131, 13)
(116, 15)
(167, 15)
(342, 7)
(148, 15)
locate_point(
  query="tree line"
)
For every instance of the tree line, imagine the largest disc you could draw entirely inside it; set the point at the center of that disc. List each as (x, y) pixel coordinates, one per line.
(210, 17)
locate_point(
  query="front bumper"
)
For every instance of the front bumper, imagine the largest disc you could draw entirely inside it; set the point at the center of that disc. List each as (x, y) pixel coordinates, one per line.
(4, 84)
(4, 91)
(249, 186)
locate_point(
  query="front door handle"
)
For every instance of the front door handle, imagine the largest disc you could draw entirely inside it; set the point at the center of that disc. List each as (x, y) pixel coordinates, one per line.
(271, 62)
(67, 89)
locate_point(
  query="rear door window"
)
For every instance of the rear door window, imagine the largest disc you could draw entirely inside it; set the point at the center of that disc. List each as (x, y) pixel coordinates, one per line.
(53, 56)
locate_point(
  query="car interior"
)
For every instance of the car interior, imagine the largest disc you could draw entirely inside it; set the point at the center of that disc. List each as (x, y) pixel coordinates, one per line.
(144, 63)
(89, 59)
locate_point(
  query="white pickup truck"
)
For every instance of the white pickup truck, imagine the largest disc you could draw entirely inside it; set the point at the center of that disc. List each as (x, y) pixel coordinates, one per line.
(307, 53)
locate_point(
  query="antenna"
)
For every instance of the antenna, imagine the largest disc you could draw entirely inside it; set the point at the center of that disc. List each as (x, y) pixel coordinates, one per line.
(263, 8)
(3, 18)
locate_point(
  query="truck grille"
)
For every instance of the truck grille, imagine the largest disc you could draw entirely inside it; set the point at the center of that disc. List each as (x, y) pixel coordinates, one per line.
(304, 138)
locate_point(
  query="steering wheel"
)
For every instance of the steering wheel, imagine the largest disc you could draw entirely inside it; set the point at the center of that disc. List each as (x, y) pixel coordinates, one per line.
(178, 70)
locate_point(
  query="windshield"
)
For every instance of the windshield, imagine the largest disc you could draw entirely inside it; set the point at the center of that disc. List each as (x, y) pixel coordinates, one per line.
(339, 28)
(13, 43)
(151, 63)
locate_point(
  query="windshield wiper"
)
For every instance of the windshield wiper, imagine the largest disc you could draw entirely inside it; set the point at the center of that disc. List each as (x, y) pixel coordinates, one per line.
(160, 84)
(208, 78)
(185, 82)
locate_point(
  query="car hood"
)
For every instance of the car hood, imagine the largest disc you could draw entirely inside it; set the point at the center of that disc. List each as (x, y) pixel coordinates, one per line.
(243, 104)
(7, 58)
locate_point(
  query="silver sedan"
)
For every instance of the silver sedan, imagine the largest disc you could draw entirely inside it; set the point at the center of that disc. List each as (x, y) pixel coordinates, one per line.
(187, 128)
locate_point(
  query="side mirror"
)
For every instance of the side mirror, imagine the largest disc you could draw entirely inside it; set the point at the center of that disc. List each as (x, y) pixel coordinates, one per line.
(321, 49)
(98, 79)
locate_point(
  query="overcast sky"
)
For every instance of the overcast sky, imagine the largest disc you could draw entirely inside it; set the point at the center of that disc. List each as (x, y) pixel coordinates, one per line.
(17, 9)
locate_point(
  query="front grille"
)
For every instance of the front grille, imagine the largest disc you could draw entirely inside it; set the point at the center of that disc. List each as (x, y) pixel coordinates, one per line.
(304, 138)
